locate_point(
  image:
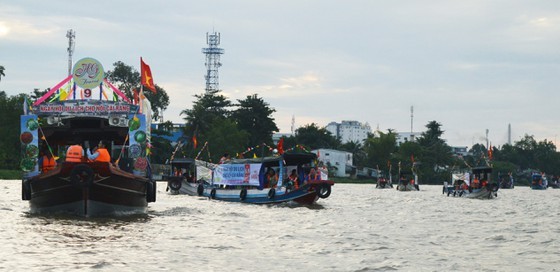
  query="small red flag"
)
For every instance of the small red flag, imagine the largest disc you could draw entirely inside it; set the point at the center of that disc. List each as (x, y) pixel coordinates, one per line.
(281, 146)
(147, 79)
(194, 141)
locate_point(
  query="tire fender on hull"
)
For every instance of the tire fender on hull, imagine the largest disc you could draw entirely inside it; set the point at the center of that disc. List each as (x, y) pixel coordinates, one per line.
(200, 190)
(323, 190)
(213, 193)
(243, 194)
(175, 184)
(271, 193)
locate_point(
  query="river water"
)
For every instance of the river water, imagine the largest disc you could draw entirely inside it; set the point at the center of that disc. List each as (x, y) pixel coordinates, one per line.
(358, 228)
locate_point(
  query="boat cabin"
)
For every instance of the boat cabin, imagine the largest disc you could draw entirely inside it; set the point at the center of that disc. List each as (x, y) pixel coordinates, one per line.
(267, 172)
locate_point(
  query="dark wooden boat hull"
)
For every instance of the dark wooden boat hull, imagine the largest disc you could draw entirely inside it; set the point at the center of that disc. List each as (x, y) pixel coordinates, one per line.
(100, 189)
(306, 194)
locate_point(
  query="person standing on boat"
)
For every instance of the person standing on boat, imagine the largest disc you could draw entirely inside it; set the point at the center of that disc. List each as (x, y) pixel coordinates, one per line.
(100, 155)
(75, 153)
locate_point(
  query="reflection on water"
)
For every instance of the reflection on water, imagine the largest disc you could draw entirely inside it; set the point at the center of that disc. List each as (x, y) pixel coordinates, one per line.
(358, 228)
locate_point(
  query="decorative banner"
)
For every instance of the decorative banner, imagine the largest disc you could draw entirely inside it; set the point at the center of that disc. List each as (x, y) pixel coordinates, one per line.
(29, 139)
(237, 174)
(88, 73)
(137, 143)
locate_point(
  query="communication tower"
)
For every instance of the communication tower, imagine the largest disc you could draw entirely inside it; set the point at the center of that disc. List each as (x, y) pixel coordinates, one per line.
(71, 34)
(212, 64)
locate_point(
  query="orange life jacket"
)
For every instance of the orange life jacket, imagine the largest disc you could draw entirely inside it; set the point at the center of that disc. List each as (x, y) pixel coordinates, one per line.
(295, 181)
(103, 155)
(74, 154)
(48, 164)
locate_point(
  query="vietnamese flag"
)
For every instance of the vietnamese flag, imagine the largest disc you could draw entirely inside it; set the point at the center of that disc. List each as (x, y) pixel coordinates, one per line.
(280, 146)
(195, 142)
(147, 79)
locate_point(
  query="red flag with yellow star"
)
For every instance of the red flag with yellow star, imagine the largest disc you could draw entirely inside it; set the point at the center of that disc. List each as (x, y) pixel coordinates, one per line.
(147, 79)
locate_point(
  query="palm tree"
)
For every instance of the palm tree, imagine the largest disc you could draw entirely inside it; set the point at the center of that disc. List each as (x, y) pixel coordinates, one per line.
(2, 72)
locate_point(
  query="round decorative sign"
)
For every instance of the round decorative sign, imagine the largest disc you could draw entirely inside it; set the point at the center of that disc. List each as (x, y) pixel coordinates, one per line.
(88, 73)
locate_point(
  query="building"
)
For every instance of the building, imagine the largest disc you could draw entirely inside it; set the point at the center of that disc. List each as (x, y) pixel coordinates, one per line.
(460, 151)
(349, 131)
(403, 137)
(176, 132)
(340, 161)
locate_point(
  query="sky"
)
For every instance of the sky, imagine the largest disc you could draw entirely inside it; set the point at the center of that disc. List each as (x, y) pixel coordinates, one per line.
(471, 65)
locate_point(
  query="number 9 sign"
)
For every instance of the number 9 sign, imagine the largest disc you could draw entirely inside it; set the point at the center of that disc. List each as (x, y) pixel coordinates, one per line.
(87, 93)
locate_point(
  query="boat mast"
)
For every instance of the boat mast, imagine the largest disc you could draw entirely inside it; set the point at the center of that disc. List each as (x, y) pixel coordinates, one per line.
(71, 34)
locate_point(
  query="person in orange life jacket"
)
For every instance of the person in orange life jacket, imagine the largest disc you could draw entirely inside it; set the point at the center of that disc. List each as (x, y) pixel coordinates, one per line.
(75, 153)
(313, 175)
(476, 183)
(100, 155)
(293, 179)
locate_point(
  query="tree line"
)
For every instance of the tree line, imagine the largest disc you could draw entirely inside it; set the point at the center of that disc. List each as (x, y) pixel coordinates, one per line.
(215, 125)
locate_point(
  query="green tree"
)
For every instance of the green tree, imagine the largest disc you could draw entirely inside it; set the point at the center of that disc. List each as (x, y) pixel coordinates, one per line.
(126, 78)
(379, 148)
(358, 153)
(10, 111)
(435, 158)
(208, 108)
(2, 72)
(225, 137)
(254, 116)
(313, 137)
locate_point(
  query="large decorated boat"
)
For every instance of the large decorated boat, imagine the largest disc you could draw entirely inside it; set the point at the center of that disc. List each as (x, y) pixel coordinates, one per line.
(55, 134)
(474, 184)
(276, 179)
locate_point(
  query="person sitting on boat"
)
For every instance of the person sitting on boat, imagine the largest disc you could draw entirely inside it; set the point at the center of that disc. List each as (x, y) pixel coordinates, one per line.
(476, 183)
(100, 154)
(178, 171)
(293, 180)
(75, 153)
(313, 175)
(271, 178)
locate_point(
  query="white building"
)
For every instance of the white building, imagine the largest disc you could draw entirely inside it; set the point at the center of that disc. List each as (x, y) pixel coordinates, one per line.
(342, 160)
(349, 131)
(403, 137)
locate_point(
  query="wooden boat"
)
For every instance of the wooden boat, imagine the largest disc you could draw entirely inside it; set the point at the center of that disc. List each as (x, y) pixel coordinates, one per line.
(506, 181)
(539, 181)
(121, 186)
(188, 176)
(244, 180)
(408, 181)
(383, 183)
(476, 184)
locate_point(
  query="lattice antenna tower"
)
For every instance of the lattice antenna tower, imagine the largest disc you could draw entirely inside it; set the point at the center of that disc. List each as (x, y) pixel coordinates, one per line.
(71, 35)
(212, 64)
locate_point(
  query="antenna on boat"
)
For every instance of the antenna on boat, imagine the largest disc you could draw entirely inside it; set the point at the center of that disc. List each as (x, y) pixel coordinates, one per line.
(212, 64)
(71, 34)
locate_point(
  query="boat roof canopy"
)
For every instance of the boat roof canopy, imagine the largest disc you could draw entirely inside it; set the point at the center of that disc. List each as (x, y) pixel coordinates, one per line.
(182, 162)
(289, 159)
(482, 169)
